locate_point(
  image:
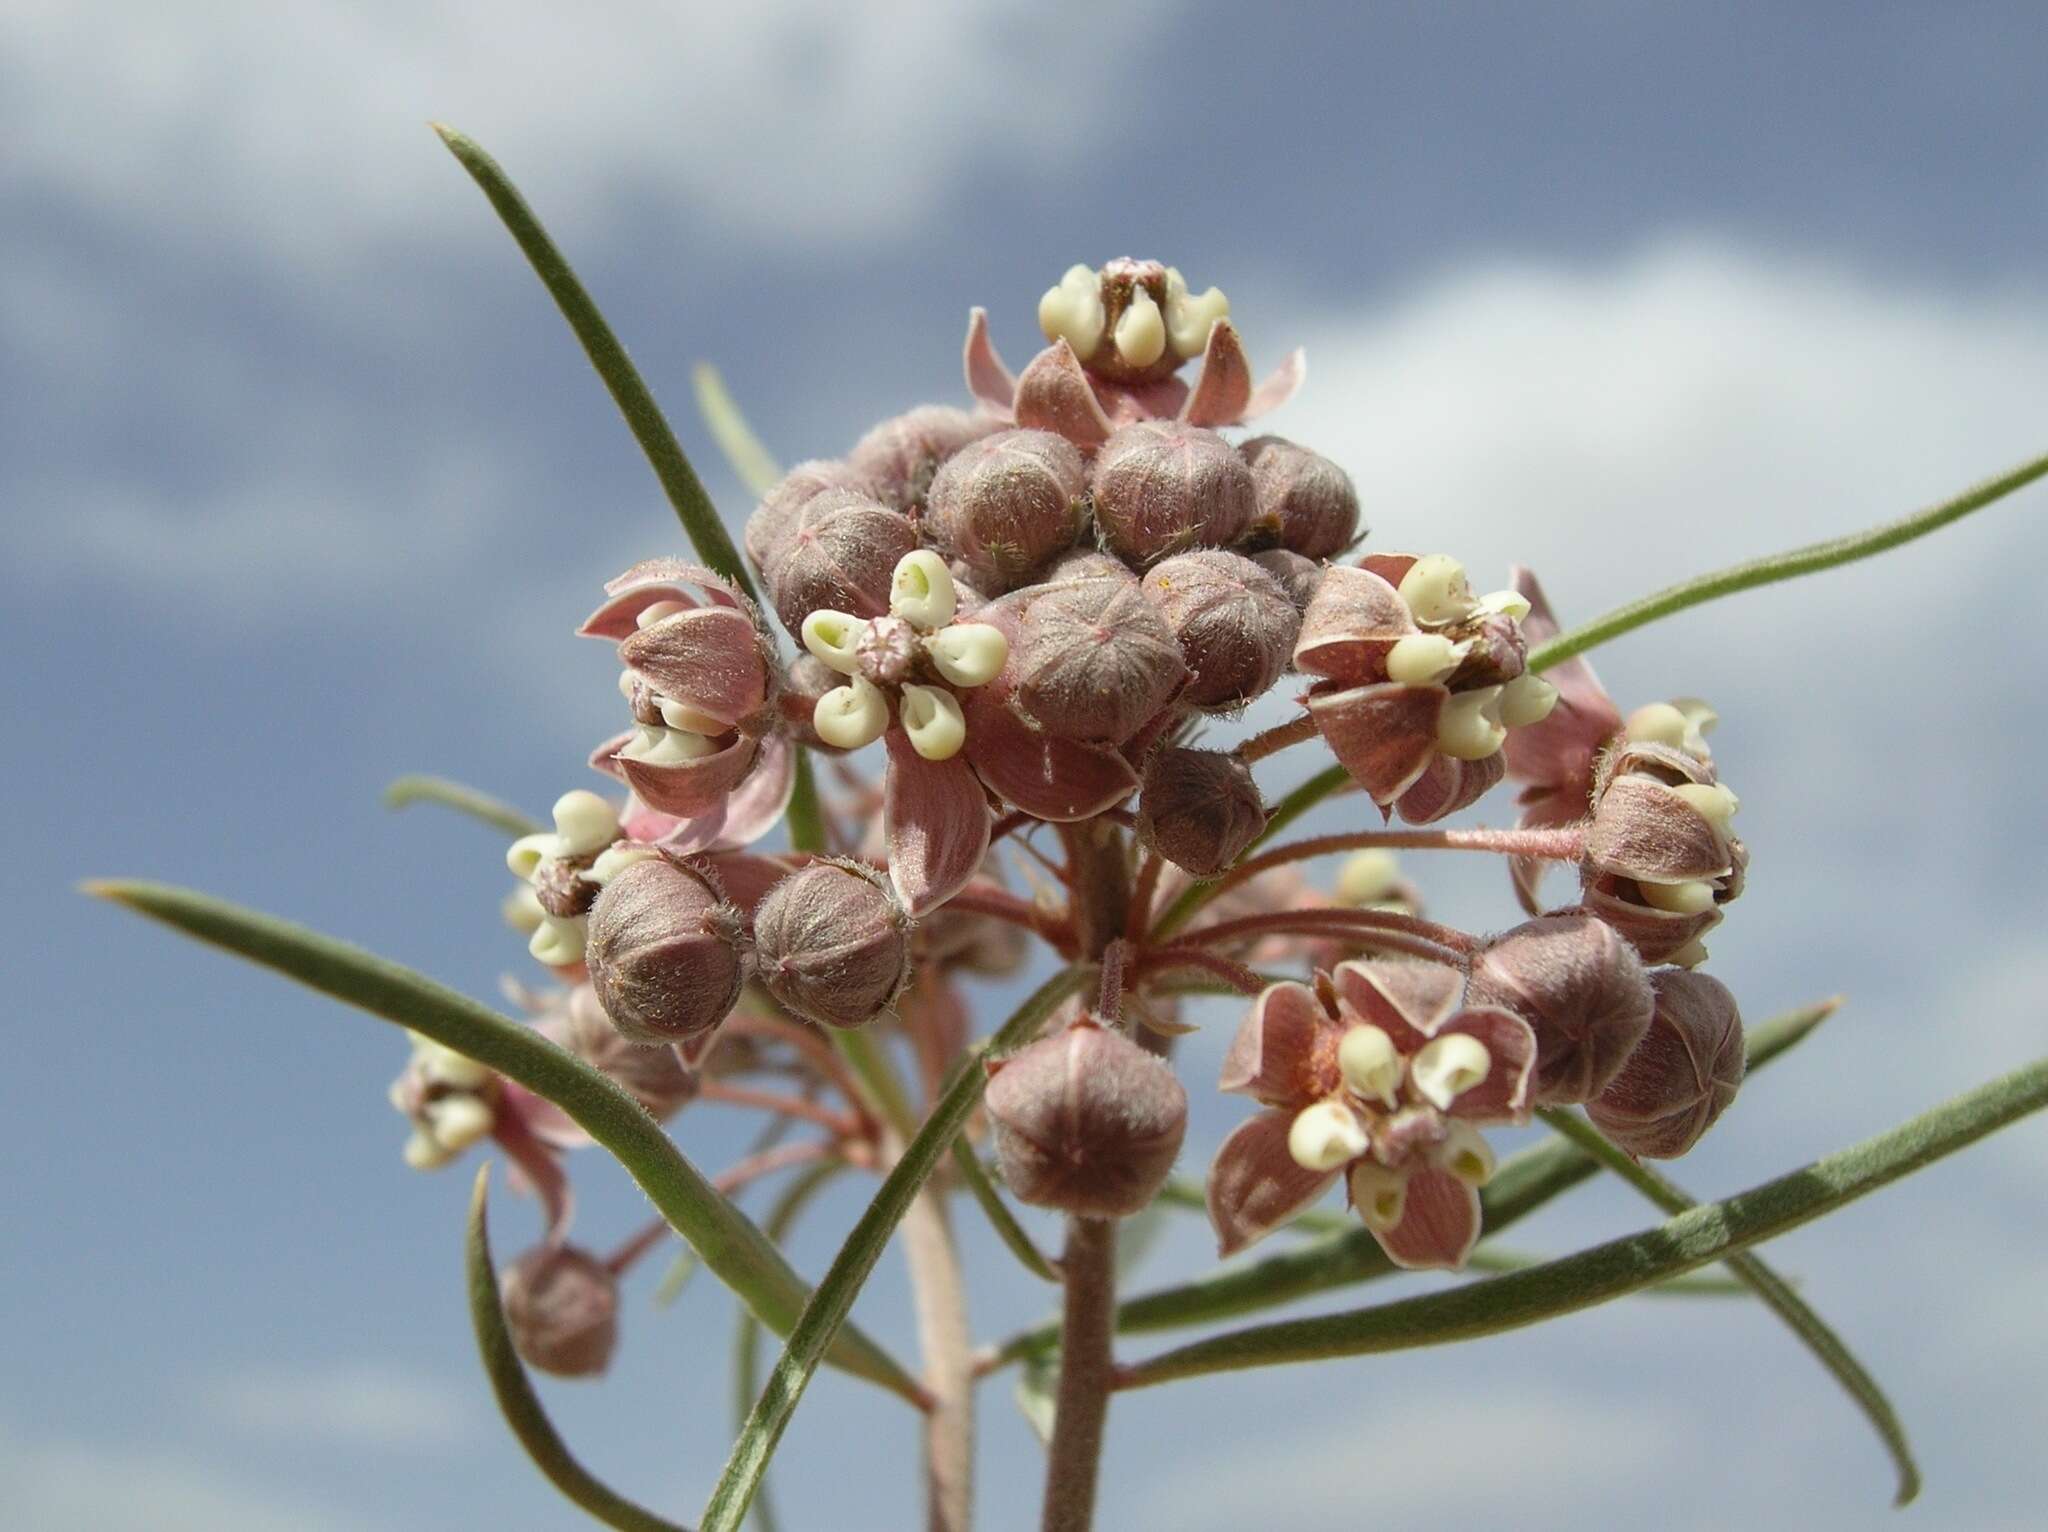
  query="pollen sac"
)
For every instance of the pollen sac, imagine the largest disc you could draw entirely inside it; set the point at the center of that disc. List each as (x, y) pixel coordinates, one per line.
(1199, 809)
(1094, 660)
(1305, 501)
(836, 552)
(1161, 487)
(832, 944)
(562, 1308)
(1681, 1076)
(1236, 627)
(665, 951)
(1582, 990)
(1087, 1122)
(654, 1077)
(769, 526)
(1005, 506)
(901, 455)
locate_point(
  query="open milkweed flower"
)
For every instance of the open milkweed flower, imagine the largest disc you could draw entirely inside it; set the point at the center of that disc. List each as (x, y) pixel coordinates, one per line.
(1379, 1073)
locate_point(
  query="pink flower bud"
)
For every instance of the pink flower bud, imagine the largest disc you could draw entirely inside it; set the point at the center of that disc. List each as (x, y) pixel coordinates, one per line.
(1162, 487)
(1295, 574)
(1094, 660)
(562, 1307)
(838, 551)
(1084, 565)
(1235, 625)
(1087, 1122)
(832, 944)
(901, 455)
(1580, 987)
(1305, 499)
(1683, 1073)
(654, 1077)
(665, 951)
(768, 528)
(1004, 506)
(1199, 808)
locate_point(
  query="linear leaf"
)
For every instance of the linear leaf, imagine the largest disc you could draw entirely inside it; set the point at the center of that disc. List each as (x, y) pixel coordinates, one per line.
(725, 1237)
(495, 812)
(752, 464)
(1001, 1219)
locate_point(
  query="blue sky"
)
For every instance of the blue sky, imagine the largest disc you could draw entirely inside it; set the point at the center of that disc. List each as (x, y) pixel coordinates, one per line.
(305, 487)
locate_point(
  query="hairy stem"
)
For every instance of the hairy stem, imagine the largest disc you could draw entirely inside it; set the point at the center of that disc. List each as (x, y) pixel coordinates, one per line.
(1563, 845)
(1087, 1372)
(943, 1335)
(1295, 731)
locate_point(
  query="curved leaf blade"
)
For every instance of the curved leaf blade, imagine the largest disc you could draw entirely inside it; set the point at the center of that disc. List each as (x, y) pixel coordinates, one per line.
(450, 794)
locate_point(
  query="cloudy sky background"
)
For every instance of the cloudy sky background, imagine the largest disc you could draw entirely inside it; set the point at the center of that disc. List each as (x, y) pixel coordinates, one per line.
(305, 485)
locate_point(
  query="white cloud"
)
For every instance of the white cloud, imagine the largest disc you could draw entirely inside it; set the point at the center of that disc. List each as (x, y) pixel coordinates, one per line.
(378, 1405)
(301, 125)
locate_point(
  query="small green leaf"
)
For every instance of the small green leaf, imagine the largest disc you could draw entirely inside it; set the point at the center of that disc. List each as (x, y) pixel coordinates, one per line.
(725, 1237)
(494, 812)
(516, 1397)
(677, 1277)
(752, 464)
(1012, 1233)
(1037, 1393)
(834, 1297)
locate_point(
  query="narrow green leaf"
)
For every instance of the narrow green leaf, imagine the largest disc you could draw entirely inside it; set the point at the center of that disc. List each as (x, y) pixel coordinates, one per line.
(1346, 1253)
(1776, 1293)
(516, 1398)
(834, 1297)
(1037, 1393)
(1708, 1233)
(495, 812)
(629, 391)
(1811, 559)
(752, 464)
(685, 1266)
(725, 1237)
(1001, 1219)
(805, 815)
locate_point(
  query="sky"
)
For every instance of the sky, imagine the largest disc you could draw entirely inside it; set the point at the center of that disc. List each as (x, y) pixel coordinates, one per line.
(305, 486)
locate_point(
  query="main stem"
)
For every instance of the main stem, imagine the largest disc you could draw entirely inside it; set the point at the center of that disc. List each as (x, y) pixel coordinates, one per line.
(1100, 876)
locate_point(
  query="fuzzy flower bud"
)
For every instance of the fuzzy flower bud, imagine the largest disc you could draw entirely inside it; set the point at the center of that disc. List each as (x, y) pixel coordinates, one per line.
(837, 551)
(1087, 1122)
(1580, 987)
(1199, 808)
(1305, 500)
(1094, 660)
(768, 528)
(654, 1077)
(1235, 625)
(562, 1307)
(665, 951)
(1004, 506)
(832, 944)
(901, 455)
(1296, 575)
(1683, 1073)
(1162, 487)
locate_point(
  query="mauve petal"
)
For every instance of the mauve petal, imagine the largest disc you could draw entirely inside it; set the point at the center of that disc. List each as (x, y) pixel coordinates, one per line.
(757, 804)
(542, 1118)
(935, 818)
(539, 1167)
(1276, 1056)
(652, 580)
(1644, 830)
(1439, 1223)
(1352, 620)
(1224, 386)
(689, 788)
(1255, 1185)
(1655, 934)
(1391, 567)
(1409, 1001)
(1579, 692)
(987, 378)
(746, 878)
(1448, 784)
(651, 827)
(709, 659)
(1057, 779)
(1543, 809)
(1385, 735)
(1054, 395)
(1503, 1096)
(1282, 384)
(1128, 403)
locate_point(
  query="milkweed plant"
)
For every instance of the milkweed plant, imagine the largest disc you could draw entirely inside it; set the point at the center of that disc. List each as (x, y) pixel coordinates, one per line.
(968, 703)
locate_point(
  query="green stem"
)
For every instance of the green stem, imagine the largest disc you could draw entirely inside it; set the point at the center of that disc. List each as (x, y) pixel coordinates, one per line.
(1013, 1235)
(495, 812)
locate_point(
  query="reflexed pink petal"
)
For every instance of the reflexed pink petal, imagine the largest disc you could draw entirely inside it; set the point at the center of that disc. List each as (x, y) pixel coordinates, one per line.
(1644, 830)
(1282, 384)
(546, 1121)
(757, 804)
(1385, 735)
(651, 827)
(1054, 395)
(1056, 779)
(691, 787)
(1391, 567)
(1655, 934)
(1503, 1096)
(652, 580)
(1275, 1056)
(746, 878)
(1544, 809)
(1224, 386)
(1255, 1185)
(1126, 403)
(987, 378)
(935, 817)
(539, 1168)
(1351, 622)
(1408, 1001)
(1577, 685)
(1447, 785)
(709, 659)
(1439, 1223)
